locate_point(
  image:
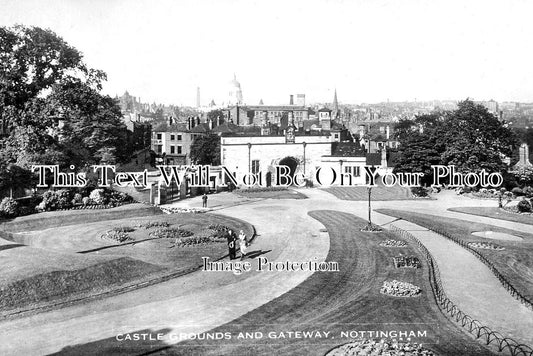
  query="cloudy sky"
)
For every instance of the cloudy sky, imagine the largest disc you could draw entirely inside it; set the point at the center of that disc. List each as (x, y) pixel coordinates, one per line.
(369, 50)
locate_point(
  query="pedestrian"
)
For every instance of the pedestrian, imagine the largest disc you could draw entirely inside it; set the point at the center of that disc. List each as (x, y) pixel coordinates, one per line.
(242, 244)
(204, 200)
(231, 245)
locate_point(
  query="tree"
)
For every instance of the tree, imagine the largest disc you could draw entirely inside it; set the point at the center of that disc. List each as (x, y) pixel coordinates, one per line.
(419, 147)
(206, 150)
(475, 139)
(470, 138)
(46, 84)
(12, 177)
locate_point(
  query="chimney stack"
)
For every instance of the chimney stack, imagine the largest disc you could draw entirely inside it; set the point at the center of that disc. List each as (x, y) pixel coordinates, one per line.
(197, 120)
(388, 132)
(189, 127)
(291, 101)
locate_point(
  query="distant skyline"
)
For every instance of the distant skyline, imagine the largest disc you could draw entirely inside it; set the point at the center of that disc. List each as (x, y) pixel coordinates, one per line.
(370, 51)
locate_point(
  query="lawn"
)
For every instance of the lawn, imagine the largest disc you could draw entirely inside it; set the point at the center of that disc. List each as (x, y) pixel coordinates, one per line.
(348, 300)
(495, 213)
(270, 194)
(515, 262)
(68, 261)
(379, 193)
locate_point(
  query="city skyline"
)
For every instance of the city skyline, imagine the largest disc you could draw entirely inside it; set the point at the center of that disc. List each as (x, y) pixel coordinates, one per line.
(369, 51)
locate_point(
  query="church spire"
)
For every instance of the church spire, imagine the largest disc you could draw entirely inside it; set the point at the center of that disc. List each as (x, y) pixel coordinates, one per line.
(335, 102)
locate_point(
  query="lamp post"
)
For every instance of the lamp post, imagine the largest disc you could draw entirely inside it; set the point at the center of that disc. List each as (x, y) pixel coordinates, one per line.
(304, 144)
(369, 208)
(249, 162)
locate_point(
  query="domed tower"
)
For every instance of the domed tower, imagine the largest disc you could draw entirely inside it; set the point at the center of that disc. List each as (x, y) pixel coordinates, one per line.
(235, 92)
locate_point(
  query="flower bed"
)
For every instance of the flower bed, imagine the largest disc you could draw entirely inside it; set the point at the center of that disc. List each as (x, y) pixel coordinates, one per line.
(381, 348)
(407, 262)
(151, 224)
(123, 229)
(393, 243)
(486, 246)
(400, 289)
(371, 228)
(181, 210)
(514, 210)
(118, 236)
(193, 240)
(170, 233)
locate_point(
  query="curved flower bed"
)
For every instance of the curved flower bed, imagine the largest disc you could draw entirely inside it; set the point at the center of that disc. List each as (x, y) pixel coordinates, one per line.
(116, 235)
(371, 228)
(486, 246)
(381, 348)
(181, 210)
(393, 243)
(407, 262)
(400, 289)
(170, 233)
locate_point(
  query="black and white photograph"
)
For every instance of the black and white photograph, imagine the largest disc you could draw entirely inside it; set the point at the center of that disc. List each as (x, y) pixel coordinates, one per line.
(256, 177)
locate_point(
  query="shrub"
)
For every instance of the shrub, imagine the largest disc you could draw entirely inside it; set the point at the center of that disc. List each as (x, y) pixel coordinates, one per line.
(64, 199)
(98, 196)
(517, 191)
(77, 199)
(528, 191)
(49, 201)
(9, 208)
(119, 197)
(123, 229)
(85, 200)
(193, 240)
(170, 233)
(467, 189)
(26, 210)
(119, 236)
(524, 206)
(154, 224)
(419, 192)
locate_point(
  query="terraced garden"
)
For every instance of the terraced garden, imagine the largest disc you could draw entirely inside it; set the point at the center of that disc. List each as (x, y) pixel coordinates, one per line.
(54, 257)
(512, 258)
(342, 303)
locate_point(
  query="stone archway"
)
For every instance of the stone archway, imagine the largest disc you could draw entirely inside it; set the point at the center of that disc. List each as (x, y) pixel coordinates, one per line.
(290, 162)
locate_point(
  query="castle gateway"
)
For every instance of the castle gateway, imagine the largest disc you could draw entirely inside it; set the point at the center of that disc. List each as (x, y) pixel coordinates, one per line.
(303, 155)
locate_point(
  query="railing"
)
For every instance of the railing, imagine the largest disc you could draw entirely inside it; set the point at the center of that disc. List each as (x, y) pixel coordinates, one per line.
(506, 284)
(473, 326)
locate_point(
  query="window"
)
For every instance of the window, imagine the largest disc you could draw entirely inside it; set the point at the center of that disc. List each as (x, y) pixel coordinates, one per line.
(179, 137)
(172, 137)
(159, 136)
(159, 148)
(179, 150)
(353, 170)
(336, 136)
(172, 149)
(255, 166)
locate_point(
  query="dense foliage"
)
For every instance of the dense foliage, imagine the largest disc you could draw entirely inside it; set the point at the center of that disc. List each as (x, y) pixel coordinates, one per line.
(51, 109)
(470, 138)
(206, 150)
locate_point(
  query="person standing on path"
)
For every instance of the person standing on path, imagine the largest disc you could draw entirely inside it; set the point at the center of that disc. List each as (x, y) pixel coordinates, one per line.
(242, 244)
(232, 245)
(204, 200)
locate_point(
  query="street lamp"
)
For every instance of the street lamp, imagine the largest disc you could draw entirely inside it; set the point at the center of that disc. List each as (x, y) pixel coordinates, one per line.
(369, 208)
(249, 162)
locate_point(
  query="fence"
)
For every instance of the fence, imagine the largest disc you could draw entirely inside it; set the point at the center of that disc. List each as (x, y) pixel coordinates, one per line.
(474, 327)
(506, 284)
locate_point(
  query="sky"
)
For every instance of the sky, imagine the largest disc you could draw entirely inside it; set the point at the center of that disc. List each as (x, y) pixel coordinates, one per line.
(368, 50)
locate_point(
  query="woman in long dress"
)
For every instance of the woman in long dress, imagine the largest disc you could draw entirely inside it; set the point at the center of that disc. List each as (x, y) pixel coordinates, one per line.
(242, 244)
